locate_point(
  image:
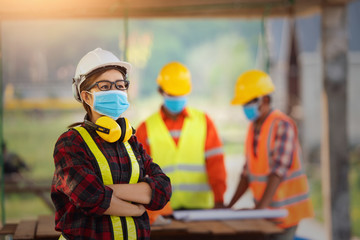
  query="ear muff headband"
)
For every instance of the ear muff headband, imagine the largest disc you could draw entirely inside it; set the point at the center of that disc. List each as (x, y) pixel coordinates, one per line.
(126, 128)
(109, 130)
(97, 128)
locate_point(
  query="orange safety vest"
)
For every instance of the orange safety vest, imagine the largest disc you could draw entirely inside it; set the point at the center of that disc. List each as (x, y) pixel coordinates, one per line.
(293, 192)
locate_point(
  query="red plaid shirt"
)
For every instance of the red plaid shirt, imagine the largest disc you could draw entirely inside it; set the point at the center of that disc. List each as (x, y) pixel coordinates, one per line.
(81, 198)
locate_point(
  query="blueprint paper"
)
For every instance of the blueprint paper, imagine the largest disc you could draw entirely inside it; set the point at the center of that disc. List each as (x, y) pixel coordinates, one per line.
(228, 214)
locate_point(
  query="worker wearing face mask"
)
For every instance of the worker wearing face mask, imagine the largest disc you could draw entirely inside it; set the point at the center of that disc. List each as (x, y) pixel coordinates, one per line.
(186, 145)
(103, 179)
(273, 169)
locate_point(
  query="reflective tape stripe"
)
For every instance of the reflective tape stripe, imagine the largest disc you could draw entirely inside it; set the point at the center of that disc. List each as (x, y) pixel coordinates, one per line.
(184, 167)
(135, 169)
(107, 180)
(135, 172)
(175, 133)
(62, 237)
(289, 201)
(259, 178)
(254, 178)
(213, 152)
(168, 170)
(117, 227)
(102, 162)
(191, 188)
(131, 228)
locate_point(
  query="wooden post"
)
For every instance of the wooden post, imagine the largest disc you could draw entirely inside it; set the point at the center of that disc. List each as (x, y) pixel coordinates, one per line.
(293, 80)
(2, 180)
(335, 156)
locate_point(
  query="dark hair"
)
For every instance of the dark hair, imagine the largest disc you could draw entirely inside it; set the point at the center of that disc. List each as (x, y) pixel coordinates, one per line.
(90, 80)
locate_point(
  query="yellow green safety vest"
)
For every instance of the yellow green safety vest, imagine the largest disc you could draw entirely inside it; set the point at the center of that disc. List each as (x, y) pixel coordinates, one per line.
(184, 164)
(118, 228)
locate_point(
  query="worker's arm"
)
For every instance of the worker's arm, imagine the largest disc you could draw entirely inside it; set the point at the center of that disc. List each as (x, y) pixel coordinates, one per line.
(119, 207)
(141, 134)
(241, 189)
(139, 192)
(215, 163)
(282, 152)
(271, 186)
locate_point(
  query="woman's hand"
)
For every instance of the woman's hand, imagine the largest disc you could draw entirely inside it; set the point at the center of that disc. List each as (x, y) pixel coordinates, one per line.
(138, 192)
(121, 208)
(141, 210)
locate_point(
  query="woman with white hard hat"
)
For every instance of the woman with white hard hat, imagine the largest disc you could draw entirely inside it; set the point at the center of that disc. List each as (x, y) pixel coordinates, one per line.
(104, 180)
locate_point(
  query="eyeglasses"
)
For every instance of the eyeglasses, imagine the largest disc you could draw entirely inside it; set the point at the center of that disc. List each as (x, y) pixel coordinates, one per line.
(106, 85)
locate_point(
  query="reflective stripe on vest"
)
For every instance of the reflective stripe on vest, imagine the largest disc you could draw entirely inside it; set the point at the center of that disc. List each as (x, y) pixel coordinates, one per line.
(292, 193)
(183, 163)
(108, 180)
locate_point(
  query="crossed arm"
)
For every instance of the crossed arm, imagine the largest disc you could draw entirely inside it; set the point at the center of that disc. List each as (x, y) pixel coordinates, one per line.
(128, 199)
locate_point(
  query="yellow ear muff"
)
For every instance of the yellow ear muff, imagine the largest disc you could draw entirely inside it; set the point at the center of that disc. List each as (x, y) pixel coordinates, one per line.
(112, 125)
(128, 130)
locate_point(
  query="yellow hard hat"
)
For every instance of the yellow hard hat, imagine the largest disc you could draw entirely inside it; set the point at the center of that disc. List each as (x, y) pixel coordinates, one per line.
(250, 85)
(175, 79)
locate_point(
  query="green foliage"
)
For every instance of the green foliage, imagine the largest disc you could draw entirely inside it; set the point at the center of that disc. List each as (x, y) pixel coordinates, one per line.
(355, 191)
(32, 135)
(24, 206)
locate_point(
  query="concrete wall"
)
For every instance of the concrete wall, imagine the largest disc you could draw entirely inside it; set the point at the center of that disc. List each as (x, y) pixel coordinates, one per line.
(311, 92)
(354, 98)
(311, 78)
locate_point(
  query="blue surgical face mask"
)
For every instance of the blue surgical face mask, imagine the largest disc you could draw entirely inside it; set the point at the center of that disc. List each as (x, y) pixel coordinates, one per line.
(110, 103)
(251, 111)
(175, 104)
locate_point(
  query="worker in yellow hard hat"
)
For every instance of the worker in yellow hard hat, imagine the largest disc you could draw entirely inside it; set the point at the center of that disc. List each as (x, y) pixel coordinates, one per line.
(273, 169)
(186, 145)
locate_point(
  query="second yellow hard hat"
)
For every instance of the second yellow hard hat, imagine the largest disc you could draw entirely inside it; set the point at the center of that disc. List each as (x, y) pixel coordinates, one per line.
(250, 85)
(175, 79)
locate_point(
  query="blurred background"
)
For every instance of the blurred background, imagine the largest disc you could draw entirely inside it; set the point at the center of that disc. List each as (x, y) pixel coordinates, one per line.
(39, 58)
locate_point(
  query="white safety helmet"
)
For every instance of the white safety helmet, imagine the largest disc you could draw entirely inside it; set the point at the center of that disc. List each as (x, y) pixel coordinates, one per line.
(93, 60)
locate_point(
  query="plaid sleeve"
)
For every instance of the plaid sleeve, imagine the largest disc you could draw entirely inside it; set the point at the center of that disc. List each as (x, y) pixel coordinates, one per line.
(76, 177)
(283, 148)
(158, 181)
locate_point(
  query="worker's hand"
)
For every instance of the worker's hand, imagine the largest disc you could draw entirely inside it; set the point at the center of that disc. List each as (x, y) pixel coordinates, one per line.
(141, 210)
(245, 209)
(219, 205)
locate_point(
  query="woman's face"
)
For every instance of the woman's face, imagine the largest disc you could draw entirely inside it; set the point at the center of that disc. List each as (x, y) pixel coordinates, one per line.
(109, 80)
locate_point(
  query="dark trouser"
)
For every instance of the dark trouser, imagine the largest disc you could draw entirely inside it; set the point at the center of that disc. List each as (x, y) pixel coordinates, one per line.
(287, 234)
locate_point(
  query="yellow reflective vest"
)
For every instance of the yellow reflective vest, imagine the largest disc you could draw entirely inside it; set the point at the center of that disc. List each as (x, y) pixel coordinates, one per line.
(184, 163)
(122, 226)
